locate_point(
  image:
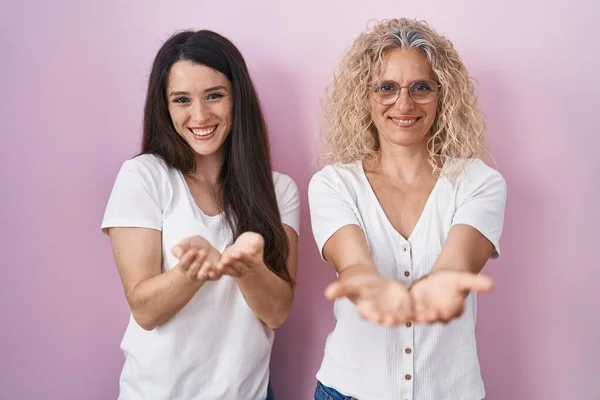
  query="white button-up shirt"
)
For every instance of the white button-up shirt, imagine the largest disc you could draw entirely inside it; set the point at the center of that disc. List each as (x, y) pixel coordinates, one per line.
(411, 361)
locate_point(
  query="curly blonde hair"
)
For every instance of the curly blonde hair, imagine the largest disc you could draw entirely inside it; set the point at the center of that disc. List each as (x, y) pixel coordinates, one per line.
(347, 127)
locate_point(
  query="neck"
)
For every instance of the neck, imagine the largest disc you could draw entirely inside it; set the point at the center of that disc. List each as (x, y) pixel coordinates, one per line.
(407, 164)
(208, 168)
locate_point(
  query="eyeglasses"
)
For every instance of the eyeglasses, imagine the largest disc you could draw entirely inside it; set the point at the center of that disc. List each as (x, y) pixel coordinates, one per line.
(421, 92)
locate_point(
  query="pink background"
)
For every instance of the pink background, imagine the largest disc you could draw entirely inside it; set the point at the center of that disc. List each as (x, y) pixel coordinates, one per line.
(73, 77)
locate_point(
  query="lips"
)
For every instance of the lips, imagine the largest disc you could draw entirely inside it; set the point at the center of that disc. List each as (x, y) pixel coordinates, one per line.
(203, 131)
(405, 121)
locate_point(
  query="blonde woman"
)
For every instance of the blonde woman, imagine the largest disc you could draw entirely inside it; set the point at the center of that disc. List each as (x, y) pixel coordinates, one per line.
(408, 215)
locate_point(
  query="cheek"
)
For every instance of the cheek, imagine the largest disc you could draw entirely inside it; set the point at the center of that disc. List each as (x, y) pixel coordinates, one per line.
(431, 112)
(227, 112)
(377, 110)
(177, 116)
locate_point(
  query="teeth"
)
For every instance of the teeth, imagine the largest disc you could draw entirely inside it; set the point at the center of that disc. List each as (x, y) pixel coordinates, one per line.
(404, 121)
(204, 132)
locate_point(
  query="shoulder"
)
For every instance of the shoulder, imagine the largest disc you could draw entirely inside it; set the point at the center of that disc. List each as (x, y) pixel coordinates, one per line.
(477, 172)
(151, 168)
(337, 176)
(476, 177)
(283, 183)
(286, 190)
(147, 162)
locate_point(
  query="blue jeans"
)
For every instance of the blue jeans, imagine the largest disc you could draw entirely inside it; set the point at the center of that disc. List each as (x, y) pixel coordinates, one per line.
(270, 394)
(323, 392)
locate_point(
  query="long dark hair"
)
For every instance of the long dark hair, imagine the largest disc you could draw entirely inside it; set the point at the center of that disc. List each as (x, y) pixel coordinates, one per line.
(246, 188)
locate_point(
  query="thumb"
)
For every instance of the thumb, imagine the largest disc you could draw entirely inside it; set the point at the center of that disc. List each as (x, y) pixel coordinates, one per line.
(350, 287)
(177, 251)
(334, 291)
(180, 248)
(476, 283)
(338, 290)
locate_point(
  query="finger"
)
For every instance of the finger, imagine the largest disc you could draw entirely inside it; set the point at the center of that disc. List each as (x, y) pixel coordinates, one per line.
(339, 289)
(177, 251)
(180, 248)
(226, 263)
(227, 259)
(213, 274)
(235, 269)
(431, 316)
(476, 283)
(231, 272)
(197, 263)
(369, 313)
(352, 286)
(226, 269)
(420, 307)
(388, 320)
(187, 258)
(446, 316)
(207, 270)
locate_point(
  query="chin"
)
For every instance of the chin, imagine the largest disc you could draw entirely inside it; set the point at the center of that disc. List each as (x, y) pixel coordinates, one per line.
(406, 139)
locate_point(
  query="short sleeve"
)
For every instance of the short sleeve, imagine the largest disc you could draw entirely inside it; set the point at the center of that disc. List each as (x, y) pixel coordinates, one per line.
(288, 200)
(330, 207)
(134, 200)
(481, 201)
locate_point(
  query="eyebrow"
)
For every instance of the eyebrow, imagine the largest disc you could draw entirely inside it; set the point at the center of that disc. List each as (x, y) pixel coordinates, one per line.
(210, 89)
(415, 80)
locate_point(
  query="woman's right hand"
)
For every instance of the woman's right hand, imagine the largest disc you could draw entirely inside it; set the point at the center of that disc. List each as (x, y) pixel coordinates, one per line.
(377, 299)
(198, 259)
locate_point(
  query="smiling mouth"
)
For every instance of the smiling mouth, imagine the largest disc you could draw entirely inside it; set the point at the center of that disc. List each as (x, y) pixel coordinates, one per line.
(405, 122)
(203, 131)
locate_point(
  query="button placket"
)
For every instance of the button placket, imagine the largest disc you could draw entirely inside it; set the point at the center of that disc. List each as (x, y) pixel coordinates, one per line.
(407, 257)
(408, 350)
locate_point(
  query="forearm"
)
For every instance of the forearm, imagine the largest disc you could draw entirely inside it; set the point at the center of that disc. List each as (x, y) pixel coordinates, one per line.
(156, 300)
(465, 250)
(269, 296)
(356, 269)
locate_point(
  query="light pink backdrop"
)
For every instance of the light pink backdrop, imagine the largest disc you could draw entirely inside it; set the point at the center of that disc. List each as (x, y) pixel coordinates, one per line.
(72, 86)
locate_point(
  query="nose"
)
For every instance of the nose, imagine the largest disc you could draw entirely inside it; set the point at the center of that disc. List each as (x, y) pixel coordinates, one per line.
(200, 112)
(404, 104)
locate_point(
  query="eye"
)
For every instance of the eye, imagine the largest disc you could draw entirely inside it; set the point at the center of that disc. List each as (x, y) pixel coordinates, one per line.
(181, 100)
(387, 88)
(214, 96)
(421, 87)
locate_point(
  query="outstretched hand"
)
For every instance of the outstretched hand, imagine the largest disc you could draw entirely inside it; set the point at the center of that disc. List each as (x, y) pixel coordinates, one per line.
(377, 299)
(198, 259)
(244, 256)
(438, 297)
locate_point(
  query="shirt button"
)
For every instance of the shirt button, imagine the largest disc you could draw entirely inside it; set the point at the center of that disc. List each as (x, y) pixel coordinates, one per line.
(408, 324)
(407, 377)
(404, 248)
(408, 351)
(406, 273)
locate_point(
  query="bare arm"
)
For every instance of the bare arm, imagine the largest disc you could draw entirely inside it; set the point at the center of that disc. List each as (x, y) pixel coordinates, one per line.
(377, 299)
(465, 250)
(153, 297)
(439, 295)
(348, 253)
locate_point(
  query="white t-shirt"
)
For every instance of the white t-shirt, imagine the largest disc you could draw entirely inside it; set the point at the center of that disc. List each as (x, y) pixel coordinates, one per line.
(420, 362)
(215, 347)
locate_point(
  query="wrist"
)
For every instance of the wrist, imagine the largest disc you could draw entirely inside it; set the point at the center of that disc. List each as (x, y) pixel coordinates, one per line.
(187, 279)
(358, 269)
(254, 270)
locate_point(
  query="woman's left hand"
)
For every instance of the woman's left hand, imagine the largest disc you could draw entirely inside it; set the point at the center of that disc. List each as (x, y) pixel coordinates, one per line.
(440, 296)
(244, 256)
